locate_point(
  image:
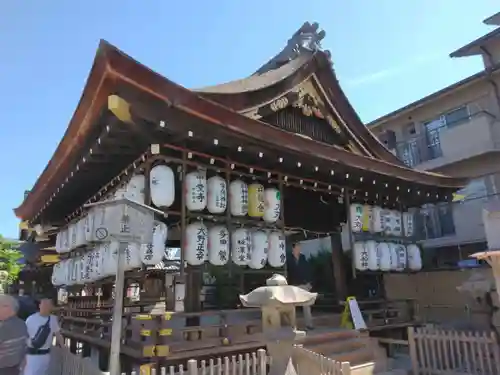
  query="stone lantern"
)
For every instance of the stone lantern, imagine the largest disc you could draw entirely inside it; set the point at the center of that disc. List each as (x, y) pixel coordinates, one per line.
(278, 302)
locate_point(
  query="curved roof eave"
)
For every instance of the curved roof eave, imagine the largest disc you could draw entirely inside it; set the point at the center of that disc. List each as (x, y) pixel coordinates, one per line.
(257, 82)
(111, 64)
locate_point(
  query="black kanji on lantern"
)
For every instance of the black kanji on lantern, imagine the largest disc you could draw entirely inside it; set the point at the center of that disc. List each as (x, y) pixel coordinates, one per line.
(222, 256)
(223, 237)
(364, 259)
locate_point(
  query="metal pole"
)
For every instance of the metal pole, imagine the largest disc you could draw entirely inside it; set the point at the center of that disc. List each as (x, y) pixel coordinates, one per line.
(116, 333)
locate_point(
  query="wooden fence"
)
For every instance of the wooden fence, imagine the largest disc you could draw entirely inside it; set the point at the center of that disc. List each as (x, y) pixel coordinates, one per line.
(306, 362)
(438, 352)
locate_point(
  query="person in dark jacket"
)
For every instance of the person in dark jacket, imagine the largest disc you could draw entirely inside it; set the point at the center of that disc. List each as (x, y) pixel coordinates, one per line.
(13, 337)
(299, 275)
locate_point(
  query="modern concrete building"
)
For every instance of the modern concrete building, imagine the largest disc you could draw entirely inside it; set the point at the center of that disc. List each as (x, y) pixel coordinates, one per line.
(454, 131)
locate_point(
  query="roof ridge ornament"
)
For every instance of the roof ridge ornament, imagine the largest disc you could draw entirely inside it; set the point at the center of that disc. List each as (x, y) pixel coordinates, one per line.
(306, 40)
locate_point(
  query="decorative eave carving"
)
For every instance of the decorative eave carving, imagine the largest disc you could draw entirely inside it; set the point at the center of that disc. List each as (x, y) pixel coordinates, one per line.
(306, 97)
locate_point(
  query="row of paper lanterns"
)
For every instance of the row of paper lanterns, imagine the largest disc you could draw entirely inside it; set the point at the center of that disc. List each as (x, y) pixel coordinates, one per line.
(375, 219)
(383, 256)
(200, 193)
(245, 247)
(212, 194)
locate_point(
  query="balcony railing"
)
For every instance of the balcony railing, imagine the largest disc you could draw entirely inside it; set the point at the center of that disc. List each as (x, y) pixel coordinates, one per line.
(419, 149)
(428, 145)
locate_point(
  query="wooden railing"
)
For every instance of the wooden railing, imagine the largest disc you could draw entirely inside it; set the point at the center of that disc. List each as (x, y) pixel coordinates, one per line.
(63, 362)
(435, 351)
(306, 362)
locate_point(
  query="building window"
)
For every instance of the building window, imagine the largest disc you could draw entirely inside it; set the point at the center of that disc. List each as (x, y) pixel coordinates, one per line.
(457, 116)
(436, 221)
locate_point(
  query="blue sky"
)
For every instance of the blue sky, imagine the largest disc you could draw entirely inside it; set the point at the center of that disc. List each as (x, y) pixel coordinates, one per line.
(387, 53)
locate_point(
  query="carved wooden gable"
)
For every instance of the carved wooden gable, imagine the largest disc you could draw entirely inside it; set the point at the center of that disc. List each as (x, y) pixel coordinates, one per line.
(303, 111)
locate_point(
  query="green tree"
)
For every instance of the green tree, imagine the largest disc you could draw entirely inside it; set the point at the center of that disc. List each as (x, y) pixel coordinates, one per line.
(9, 259)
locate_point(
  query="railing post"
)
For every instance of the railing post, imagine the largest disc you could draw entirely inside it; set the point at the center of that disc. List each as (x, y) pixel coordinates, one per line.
(192, 367)
(412, 344)
(262, 358)
(346, 368)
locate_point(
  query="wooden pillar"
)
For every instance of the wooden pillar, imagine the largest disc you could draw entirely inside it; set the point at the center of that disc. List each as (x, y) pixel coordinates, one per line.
(339, 274)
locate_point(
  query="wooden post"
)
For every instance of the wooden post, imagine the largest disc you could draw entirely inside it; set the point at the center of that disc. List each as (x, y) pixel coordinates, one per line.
(338, 266)
(413, 351)
(262, 358)
(116, 330)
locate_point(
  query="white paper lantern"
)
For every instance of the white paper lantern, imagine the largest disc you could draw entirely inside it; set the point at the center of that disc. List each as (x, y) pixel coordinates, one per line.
(218, 245)
(260, 249)
(401, 259)
(98, 270)
(367, 218)
(396, 223)
(414, 258)
(72, 236)
(89, 226)
(135, 188)
(256, 202)
(384, 255)
(277, 249)
(373, 259)
(378, 219)
(152, 253)
(110, 258)
(409, 227)
(162, 185)
(85, 268)
(217, 195)
(356, 211)
(80, 233)
(132, 253)
(240, 247)
(360, 256)
(196, 243)
(238, 192)
(68, 272)
(60, 241)
(78, 268)
(388, 222)
(73, 270)
(393, 248)
(56, 274)
(196, 190)
(272, 205)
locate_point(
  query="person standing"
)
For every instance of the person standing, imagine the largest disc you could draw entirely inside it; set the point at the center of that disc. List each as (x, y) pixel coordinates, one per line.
(299, 275)
(42, 327)
(13, 335)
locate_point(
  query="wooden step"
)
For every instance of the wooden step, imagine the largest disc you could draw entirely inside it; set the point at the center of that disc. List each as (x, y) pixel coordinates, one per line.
(372, 368)
(331, 347)
(321, 336)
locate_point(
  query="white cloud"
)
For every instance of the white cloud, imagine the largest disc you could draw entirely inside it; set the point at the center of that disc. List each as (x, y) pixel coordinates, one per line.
(394, 71)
